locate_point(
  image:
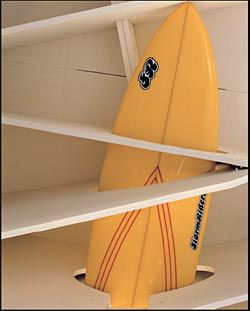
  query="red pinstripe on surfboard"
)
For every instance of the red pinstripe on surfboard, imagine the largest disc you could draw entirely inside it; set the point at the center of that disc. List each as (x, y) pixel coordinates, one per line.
(101, 274)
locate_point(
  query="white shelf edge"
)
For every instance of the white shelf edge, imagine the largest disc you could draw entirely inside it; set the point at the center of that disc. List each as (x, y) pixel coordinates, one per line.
(90, 20)
(103, 134)
(39, 210)
(216, 289)
(76, 23)
(223, 303)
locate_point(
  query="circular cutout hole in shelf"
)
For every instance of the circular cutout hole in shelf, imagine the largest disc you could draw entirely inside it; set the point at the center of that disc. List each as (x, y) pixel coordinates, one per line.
(79, 275)
(202, 273)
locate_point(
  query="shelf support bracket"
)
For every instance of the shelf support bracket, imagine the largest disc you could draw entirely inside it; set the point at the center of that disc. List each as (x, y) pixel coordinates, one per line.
(128, 45)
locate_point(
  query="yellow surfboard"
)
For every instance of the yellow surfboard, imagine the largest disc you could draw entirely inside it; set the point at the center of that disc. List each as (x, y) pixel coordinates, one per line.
(171, 99)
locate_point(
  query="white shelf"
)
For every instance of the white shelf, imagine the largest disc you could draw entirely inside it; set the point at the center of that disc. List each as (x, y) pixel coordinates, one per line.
(77, 23)
(90, 20)
(55, 287)
(39, 210)
(226, 287)
(38, 274)
(103, 134)
(34, 274)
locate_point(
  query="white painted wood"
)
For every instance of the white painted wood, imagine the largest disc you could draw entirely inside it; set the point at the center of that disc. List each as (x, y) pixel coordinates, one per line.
(216, 5)
(44, 209)
(228, 32)
(52, 53)
(102, 133)
(34, 159)
(227, 286)
(85, 21)
(227, 220)
(91, 97)
(77, 234)
(128, 46)
(36, 81)
(96, 51)
(230, 205)
(32, 156)
(38, 274)
(48, 91)
(27, 88)
(233, 121)
(77, 23)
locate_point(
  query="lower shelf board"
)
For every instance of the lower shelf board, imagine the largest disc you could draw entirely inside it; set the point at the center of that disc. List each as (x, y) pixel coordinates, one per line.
(43, 209)
(226, 287)
(38, 273)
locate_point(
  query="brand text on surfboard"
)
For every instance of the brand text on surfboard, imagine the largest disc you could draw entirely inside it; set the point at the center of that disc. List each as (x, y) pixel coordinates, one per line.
(199, 215)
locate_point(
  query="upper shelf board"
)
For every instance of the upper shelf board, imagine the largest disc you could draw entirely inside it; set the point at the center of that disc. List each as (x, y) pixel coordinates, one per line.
(103, 134)
(43, 209)
(95, 19)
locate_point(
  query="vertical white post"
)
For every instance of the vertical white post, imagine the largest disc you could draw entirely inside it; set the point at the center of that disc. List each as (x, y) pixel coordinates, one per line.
(128, 44)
